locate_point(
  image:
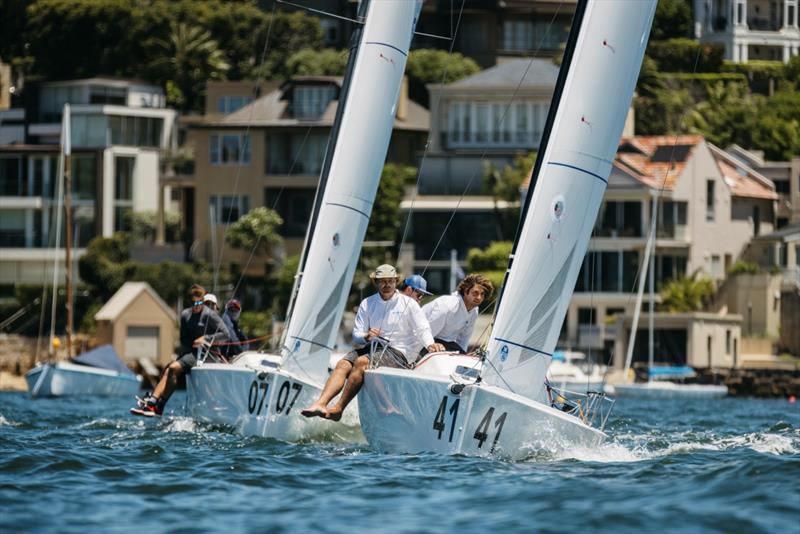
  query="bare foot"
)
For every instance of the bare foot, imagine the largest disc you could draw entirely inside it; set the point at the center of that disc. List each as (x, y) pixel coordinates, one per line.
(315, 410)
(334, 414)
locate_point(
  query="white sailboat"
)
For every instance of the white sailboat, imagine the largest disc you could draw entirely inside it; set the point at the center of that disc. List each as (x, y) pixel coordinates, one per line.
(260, 393)
(502, 404)
(97, 372)
(571, 371)
(658, 385)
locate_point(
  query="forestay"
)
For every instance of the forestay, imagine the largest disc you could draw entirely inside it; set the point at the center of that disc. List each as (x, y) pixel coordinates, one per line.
(569, 180)
(355, 171)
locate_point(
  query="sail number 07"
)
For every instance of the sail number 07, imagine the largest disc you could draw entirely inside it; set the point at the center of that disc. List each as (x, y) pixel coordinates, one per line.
(258, 394)
(481, 432)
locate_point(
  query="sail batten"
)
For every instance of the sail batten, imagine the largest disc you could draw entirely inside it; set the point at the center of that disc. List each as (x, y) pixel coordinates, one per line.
(591, 102)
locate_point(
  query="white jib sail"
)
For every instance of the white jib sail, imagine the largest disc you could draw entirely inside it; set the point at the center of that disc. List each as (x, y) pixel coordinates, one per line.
(568, 190)
(355, 171)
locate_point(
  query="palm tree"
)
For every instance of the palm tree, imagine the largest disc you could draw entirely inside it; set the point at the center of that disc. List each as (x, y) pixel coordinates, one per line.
(189, 57)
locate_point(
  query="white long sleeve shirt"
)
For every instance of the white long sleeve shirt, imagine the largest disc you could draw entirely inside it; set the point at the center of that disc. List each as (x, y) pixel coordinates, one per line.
(449, 319)
(400, 320)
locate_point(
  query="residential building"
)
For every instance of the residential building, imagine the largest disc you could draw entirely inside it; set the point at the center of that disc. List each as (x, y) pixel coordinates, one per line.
(784, 174)
(750, 29)
(709, 209)
(479, 125)
(119, 129)
(270, 152)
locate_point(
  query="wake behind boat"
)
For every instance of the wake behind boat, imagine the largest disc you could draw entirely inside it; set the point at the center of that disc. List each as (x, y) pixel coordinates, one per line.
(96, 372)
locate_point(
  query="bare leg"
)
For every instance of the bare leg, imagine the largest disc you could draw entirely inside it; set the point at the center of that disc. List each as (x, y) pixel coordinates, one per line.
(352, 388)
(332, 388)
(168, 381)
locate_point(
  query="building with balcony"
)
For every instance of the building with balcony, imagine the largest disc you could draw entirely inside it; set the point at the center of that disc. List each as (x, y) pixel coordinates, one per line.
(709, 209)
(119, 129)
(750, 29)
(269, 152)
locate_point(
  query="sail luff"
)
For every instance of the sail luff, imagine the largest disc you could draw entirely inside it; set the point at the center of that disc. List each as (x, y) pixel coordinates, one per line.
(570, 177)
(355, 169)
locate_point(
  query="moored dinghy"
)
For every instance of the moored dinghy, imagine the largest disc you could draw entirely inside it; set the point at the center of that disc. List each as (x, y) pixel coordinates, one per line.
(502, 404)
(96, 372)
(261, 393)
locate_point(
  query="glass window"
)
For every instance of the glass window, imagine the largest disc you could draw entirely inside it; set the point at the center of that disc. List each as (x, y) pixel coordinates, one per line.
(295, 153)
(709, 200)
(123, 192)
(12, 228)
(586, 315)
(230, 149)
(610, 271)
(294, 205)
(84, 177)
(229, 104)
(310, 102)
(226, 209)
(12, 179)
(100, 94)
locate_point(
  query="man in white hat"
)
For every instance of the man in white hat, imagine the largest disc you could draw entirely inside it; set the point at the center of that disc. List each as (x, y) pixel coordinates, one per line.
(390, 316)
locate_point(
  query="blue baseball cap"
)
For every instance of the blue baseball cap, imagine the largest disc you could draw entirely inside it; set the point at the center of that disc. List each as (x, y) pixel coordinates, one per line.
(418, 283)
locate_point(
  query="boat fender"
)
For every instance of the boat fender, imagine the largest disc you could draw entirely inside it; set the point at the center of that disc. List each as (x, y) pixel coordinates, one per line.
(262, 375)
(456, 389)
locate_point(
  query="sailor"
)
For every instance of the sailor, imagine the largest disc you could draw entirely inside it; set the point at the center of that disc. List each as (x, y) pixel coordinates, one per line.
(233, 310)
(210, 300)
(200, 326)
(415, 286)
(389, 316)
(452, 317)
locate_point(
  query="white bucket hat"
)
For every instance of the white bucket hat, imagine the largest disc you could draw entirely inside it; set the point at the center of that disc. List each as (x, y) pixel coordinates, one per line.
(384, 271)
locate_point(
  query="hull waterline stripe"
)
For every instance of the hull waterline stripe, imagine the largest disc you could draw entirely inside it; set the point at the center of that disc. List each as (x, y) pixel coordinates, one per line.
(347, 207)
(520, 345)
(387, 45)
(312, 342)
(579, 169)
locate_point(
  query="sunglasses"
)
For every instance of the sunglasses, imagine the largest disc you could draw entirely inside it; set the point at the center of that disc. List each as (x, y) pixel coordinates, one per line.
(197, 303)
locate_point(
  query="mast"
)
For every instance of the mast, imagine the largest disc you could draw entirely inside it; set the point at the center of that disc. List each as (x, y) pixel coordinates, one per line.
(59, 212)
(68, 223)
(651, 283)
(351, 183)
(592, 97)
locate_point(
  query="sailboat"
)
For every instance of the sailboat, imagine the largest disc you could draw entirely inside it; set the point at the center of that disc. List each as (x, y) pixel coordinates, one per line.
(501, 404)
(260, 393)
(99, 371)
(658, 385)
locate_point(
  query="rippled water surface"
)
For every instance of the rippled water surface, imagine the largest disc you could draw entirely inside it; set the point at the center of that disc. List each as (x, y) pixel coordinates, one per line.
(729, 465)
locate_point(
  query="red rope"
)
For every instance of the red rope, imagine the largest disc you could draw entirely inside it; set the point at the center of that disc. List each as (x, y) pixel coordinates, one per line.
(245, 342)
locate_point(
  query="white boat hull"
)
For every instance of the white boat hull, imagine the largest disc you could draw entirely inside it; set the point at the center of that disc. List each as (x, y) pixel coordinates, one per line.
(405, 411)
(256, 398)
(668, 390)
(64, 379)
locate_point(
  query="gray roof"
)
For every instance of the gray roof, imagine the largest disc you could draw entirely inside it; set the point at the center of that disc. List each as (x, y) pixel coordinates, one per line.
(540, 72)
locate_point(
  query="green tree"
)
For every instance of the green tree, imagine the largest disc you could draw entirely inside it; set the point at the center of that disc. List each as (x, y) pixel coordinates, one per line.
(663, 112)
(386, 219)
(727, 116)
(188, 58)
(686, 294)
(426, 66)
(506, 186)
(256, 231)
(673, 18)
(491, 262)
(777, 128)
(310, 62)
(282, 284)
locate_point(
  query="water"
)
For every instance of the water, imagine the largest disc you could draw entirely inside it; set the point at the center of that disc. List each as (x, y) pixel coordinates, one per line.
(729, 465)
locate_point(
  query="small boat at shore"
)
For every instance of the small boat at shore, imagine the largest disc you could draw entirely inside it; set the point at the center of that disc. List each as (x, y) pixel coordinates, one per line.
(96, 372)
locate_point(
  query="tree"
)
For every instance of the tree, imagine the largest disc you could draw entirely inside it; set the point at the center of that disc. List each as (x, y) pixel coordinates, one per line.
(727, 116)
(426, 66)
(188, 58)
(282, 284)
(686, 294)
(505, 185)
(256, 231)
(310, 62)
(673, 18)
(777, 127)
(386, 219)
(491, 262)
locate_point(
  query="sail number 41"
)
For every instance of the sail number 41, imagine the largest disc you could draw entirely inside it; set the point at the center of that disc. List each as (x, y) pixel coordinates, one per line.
(481, 432)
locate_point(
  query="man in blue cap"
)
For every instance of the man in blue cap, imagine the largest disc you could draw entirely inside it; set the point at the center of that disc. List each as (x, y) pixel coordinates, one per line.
(415, 287)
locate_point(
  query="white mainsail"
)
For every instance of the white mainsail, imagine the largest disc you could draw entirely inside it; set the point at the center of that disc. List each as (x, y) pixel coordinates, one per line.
(355, 171)
(569, 181)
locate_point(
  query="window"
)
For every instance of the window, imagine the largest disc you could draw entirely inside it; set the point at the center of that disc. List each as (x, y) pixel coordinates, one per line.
(727, 341)
(310, 101)
(99, 94)
(84, 177)
(295, 153)
(226, 209)
(608, 271)
(88, 130)
(623, 219)
(671, 215)
(123, 192)
(782, 186)
(135, 131)
(756, 220)
(709, 200)
(12, 228)
(227, 149)
(12, 179)
(586, 316)
(790, 17)
(294, 205)
(716, 266)
(518, 35)
(495, 124)
(229, 104)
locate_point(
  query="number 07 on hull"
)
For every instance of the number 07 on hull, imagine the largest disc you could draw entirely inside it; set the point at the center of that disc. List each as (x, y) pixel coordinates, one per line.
(510, 409)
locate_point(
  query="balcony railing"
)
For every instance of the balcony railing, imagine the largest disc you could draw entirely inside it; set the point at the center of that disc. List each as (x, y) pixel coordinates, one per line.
(761, 24)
